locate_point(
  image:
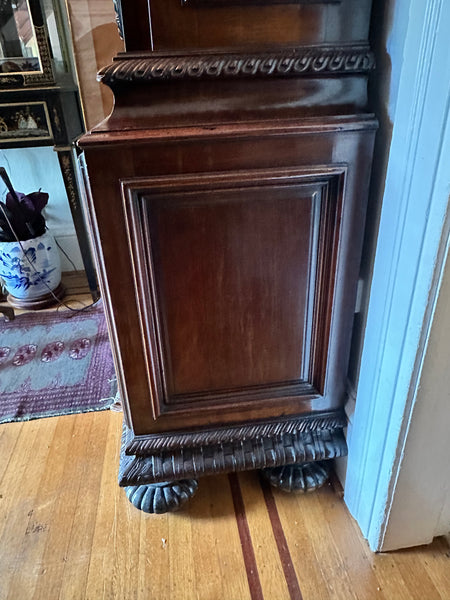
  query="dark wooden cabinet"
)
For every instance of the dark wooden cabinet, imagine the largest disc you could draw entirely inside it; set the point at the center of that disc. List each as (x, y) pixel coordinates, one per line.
(227, 196)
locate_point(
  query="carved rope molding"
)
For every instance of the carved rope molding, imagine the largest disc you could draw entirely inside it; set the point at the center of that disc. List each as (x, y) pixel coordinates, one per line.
(288, 448)
(159, 442)
(288, 63)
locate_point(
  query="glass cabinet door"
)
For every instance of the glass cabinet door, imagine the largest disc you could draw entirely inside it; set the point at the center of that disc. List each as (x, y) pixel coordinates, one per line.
(19, 50)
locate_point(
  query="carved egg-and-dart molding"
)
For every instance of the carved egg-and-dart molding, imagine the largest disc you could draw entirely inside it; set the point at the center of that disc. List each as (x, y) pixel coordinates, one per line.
(297, 62)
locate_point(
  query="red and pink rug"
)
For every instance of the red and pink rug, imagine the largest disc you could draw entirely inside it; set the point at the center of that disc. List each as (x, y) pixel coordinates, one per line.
(55, 363)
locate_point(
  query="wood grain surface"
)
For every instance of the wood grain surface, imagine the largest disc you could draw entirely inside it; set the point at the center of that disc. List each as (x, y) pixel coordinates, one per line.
(157, 332)
(172, 24)
(67, 531)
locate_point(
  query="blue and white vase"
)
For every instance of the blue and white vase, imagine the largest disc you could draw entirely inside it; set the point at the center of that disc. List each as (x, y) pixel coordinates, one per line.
(31, 269)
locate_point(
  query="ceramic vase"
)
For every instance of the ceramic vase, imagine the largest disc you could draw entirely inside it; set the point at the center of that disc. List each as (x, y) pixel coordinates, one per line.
(31, 271)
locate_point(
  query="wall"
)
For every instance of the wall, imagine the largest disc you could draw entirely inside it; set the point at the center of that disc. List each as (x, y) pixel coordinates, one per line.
(421, 503)
(95, 41)
(411, 235)
(32, 168)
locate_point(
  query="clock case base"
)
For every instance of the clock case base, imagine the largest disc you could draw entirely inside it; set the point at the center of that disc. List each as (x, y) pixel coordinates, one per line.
(149, 478)
(304, 444)
(300, 117)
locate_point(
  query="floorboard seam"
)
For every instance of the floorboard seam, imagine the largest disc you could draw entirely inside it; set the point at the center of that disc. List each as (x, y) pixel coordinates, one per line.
(282, 545)
(248, 551)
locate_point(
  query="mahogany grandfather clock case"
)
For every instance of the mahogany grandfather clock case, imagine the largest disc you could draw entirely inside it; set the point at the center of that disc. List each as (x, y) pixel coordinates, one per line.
(227, 195)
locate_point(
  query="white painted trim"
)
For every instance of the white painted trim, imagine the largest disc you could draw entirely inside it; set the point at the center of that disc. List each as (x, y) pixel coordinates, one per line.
(421, 481)
(414, 209)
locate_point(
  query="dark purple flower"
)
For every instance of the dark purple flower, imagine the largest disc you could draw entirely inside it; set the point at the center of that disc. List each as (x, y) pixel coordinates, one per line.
(30, 204)
(24, 214)
(11, 202)
(35, 201)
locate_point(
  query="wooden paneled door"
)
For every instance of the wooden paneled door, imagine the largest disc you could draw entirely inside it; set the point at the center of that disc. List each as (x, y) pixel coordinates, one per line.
(235, 279)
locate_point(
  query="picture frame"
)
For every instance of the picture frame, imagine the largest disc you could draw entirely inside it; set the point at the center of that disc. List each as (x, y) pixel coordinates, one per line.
(25, 122)
(26, 71)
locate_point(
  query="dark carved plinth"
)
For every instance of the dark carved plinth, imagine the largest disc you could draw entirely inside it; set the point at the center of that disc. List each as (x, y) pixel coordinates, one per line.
(302, 477)
(161, 497)
(146, 463)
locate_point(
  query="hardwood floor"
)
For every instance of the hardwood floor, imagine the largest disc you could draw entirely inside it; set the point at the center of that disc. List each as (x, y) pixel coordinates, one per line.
(67, 531)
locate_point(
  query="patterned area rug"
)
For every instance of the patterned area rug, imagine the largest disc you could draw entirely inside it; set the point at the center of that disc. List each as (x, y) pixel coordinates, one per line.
(55, 363)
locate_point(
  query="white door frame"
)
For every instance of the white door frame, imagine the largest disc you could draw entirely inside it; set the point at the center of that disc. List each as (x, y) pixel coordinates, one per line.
(412, 236)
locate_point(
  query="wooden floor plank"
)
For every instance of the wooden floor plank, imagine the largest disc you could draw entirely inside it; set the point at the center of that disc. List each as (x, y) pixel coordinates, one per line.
(117, 531)
(154, 554)
(194, 553)
(415, 577)
(180, 579)
(76, 567)
(9, 437)
(217, 553)
(24, 459)
(272, 577)
(388, 573)
(190, 554)
(321, 568)
(18, 487)
(66, 481)
(67, 531)
(69, 544)
(33, 506)
(436, 559)
(350, 546)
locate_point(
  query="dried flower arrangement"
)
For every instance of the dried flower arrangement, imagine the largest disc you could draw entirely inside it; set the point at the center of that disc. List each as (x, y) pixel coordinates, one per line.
(21, 214)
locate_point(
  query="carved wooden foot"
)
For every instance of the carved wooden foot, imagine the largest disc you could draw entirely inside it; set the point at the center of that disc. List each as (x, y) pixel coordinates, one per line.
(162, 497)
(302, 477)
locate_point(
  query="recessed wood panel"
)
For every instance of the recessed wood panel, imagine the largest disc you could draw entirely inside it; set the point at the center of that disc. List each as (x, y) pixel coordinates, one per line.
(201, 24)
(229, 272)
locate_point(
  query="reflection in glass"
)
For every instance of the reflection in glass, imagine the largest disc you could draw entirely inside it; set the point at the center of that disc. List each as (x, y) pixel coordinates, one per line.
(18, 45)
